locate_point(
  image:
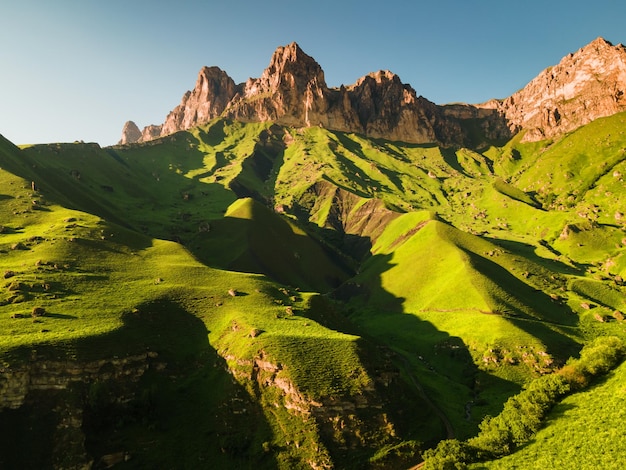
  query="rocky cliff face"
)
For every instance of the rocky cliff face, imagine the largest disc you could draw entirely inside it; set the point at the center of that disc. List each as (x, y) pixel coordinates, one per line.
(292, 91)
(52, 393)
(213, 91)
(584, 86)
(130, 133)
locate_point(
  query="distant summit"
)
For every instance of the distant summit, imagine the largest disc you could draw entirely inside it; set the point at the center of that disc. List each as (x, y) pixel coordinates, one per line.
(130, 133)
(292, 91)
(213, 91)
(582, 87)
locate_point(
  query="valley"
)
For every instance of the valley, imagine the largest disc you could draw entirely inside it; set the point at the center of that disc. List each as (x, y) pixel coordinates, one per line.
(267, 292)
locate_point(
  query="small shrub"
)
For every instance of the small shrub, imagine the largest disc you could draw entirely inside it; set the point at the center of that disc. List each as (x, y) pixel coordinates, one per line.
(450, 454)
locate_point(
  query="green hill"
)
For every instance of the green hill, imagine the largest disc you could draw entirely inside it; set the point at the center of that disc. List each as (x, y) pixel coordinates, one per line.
(583, 431)
(253, 295)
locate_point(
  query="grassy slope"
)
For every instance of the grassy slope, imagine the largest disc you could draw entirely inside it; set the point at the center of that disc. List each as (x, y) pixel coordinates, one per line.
(474, 296)
(251, 238)
(584, 431)
(471, 302)
(95, 277)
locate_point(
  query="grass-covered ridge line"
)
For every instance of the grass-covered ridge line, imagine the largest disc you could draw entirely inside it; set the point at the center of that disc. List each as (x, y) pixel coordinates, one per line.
(579, 431)
(525, 413)
(361, 298)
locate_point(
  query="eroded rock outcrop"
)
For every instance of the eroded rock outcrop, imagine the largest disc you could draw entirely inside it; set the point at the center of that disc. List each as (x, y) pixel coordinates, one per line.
(344, 424)
(18, 381)
(130, 133)
(54, 393)
(582, 87)
(213, 91)
(292, 91)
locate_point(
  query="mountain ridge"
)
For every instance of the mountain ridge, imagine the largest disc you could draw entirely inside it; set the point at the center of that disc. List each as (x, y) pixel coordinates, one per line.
(292, 91)
(585, 85)
(192, 257)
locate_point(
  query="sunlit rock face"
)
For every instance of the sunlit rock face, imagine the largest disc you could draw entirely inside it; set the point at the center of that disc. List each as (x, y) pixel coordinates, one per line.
(584, 86)
(292, 91)
(130, 133)
(213, 91)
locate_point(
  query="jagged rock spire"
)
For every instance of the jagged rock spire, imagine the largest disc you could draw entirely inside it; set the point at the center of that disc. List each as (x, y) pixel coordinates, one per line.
(130, 133)
(292, 91)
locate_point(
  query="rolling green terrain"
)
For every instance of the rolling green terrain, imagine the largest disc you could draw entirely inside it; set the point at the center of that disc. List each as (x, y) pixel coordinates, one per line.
(580, 431)
(257, 296)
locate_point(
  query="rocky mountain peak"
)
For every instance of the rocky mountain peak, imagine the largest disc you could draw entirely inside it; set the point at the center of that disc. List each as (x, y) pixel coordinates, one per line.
(292, 60)
(130, 133)
(289, 68)
(213, 91)
(585, 85)
(598, 45)
(379, 77)
(290, 91)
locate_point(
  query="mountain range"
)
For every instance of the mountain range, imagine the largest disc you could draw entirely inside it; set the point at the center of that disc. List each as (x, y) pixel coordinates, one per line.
(292, 91)
(284, 275)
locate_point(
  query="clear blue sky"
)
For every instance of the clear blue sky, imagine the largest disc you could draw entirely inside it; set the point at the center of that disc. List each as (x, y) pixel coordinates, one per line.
(78, 69)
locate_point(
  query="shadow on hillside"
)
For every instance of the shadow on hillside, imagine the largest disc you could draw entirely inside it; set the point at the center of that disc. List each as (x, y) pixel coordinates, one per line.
(197, 414)
(61, 316)
(528, 251)
(268, 245)
(530, 309)
(168, 205)
(432, 363)
(351, 169)
(452, 159)
(148, 195)
(176, 408)
(260, 169)
(383, 145)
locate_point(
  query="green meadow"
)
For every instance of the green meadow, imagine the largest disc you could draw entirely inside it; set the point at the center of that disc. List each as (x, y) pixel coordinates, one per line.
(312, 298)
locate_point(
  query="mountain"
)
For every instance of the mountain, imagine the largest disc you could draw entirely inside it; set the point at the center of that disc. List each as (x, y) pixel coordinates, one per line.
(213, 92)
(292, 91)
(247, 293)
(130, 133)
(582, 87)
